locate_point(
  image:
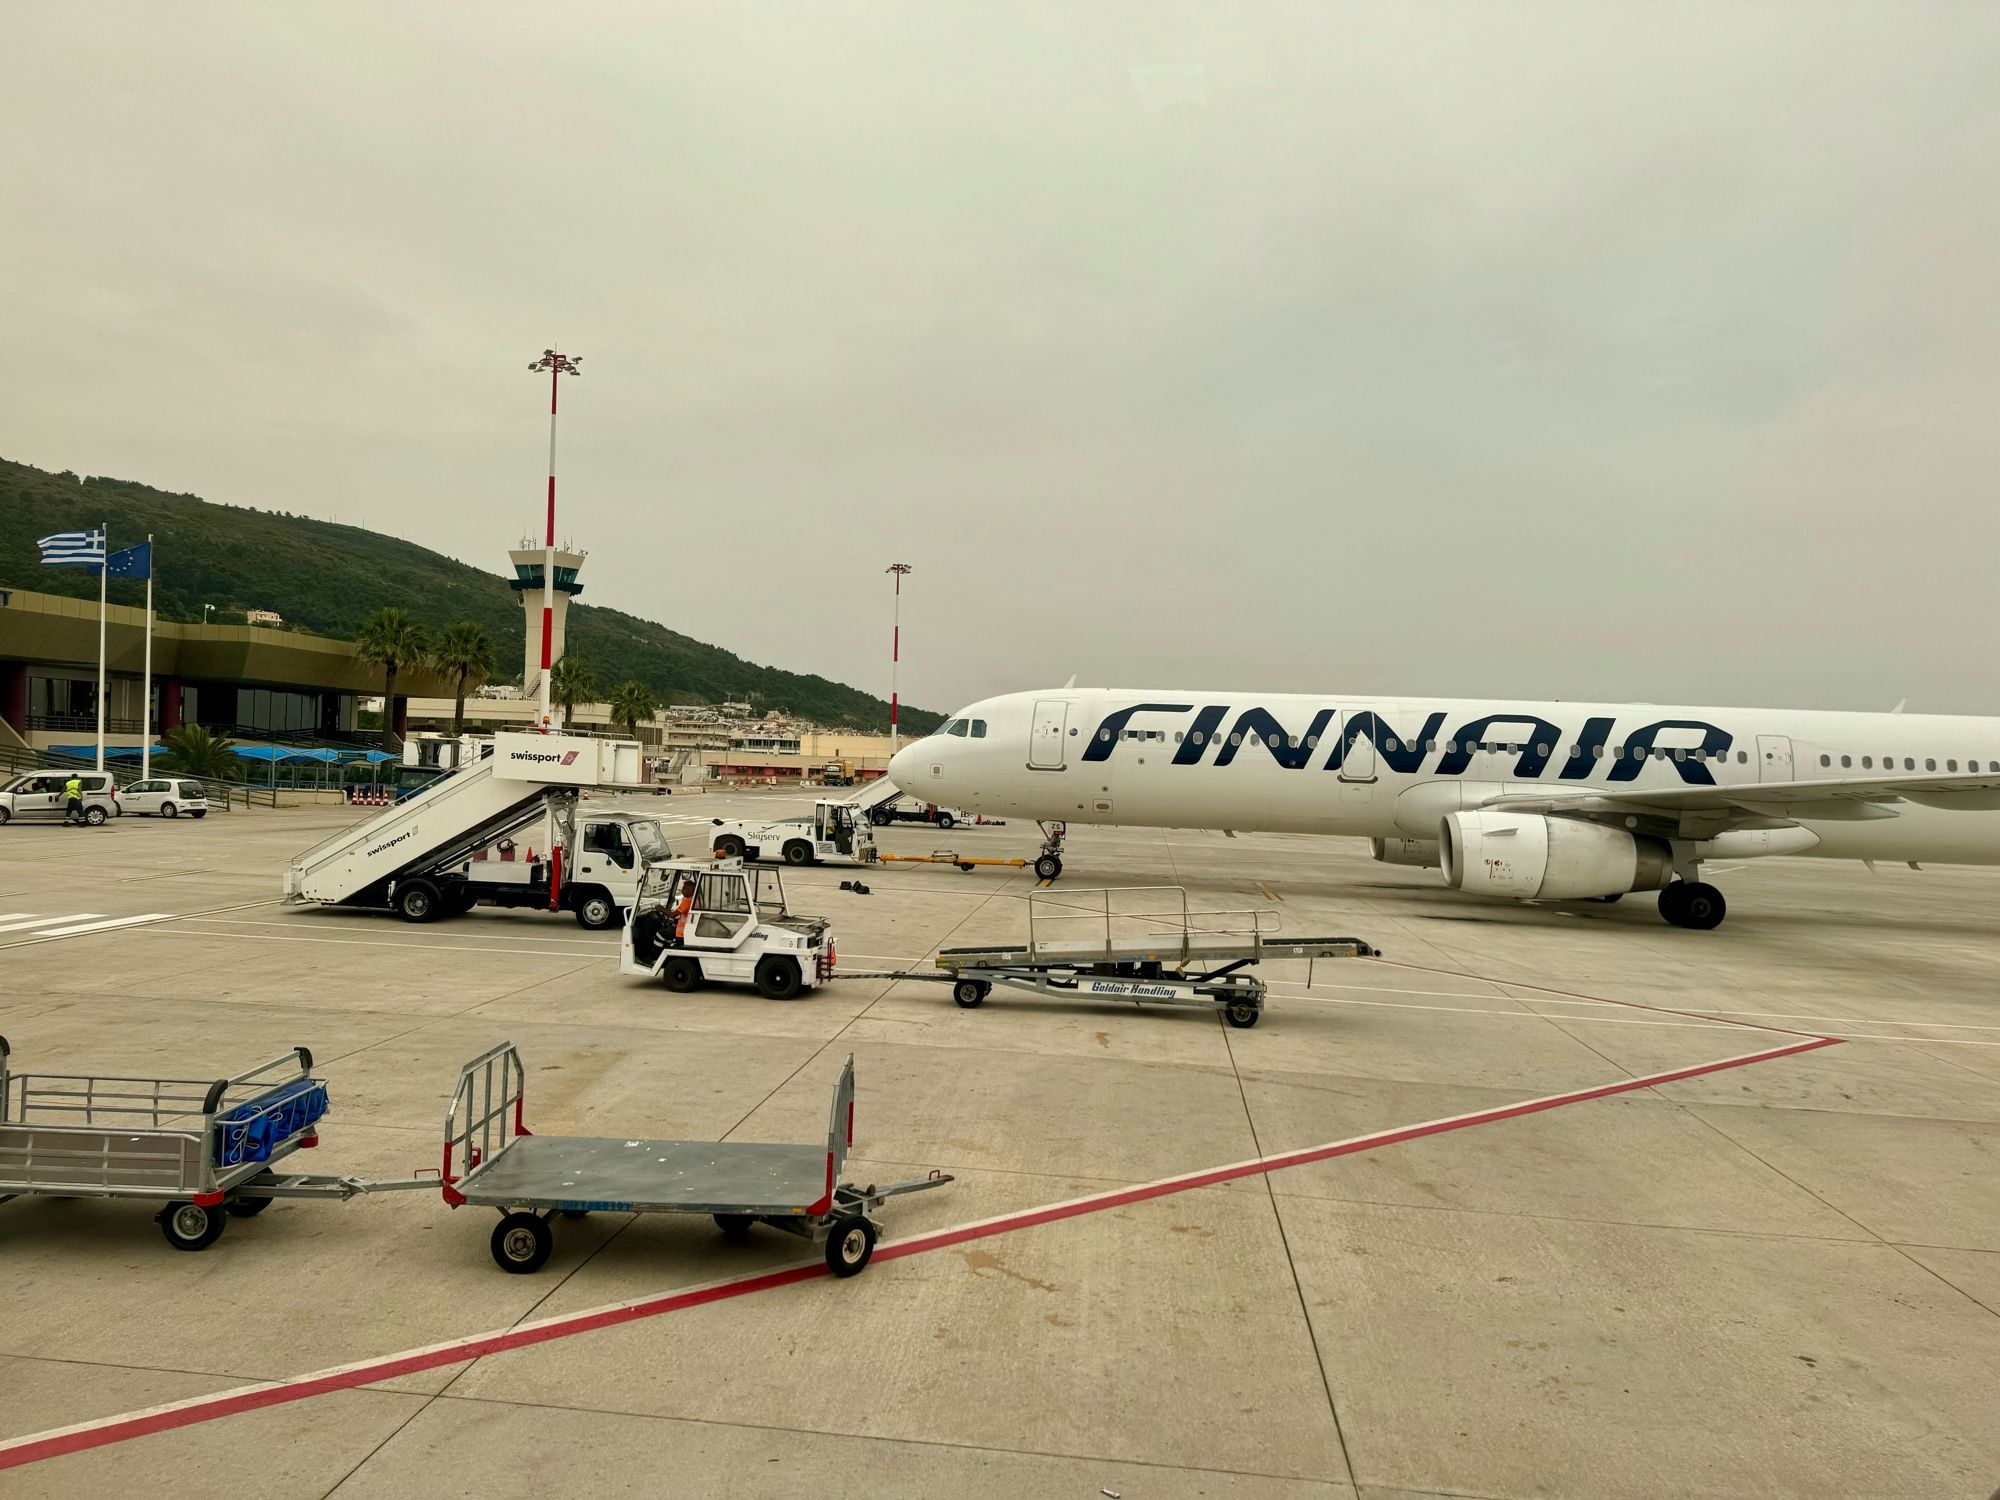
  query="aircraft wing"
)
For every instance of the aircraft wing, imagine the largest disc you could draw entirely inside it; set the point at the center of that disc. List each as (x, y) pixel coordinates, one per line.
(1703, 811)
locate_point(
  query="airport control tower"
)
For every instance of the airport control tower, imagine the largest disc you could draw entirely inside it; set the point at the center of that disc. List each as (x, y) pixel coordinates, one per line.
(527, 582)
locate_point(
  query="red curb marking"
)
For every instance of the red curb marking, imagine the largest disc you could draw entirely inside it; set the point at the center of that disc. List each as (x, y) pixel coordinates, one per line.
(105, 1431)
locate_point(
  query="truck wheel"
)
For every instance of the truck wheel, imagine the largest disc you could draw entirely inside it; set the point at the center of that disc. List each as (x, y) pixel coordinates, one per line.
(778, 978)
(970, 992)
(596, 911)
(849, 1247)
(946, 820)
(522, 1243)
(798, 852)
(729, 846)
(94, 816)
(190, 1226)
(879, 817)
(419, 901)
(681, 975)
(1047, 867)
(461, 900)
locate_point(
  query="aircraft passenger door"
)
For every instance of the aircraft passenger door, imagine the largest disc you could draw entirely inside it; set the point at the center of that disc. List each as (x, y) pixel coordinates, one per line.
(1774, 757)
(1045, 739)
(1357, 759)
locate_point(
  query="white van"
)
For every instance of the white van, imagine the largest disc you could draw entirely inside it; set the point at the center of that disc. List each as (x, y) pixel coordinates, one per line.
(39, 794)
(169, 796)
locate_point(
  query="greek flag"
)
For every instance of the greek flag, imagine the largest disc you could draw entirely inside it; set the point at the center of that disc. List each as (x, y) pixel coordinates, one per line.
(73, 549)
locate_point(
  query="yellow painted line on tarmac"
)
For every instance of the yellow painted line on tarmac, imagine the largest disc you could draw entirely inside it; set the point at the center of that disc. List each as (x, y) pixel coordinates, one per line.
(1269, 894)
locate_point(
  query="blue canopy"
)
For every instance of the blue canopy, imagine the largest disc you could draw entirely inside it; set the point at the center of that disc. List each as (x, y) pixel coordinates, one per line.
(111, 752)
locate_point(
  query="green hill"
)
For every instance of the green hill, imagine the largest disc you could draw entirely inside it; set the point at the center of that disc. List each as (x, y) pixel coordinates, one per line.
(325, 578)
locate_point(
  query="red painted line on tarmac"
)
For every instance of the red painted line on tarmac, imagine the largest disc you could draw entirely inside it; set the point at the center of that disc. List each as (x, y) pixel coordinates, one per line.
(105, 1431)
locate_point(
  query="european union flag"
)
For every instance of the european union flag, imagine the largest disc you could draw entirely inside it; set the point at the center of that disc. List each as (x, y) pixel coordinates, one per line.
(133, 562)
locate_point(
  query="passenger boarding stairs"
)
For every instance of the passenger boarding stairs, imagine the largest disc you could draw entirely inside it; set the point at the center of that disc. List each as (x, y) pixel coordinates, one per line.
(874, 794)
(462, 811)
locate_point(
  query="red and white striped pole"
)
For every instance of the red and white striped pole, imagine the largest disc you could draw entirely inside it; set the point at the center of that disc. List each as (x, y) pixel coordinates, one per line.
(558, 365)
(895, 649)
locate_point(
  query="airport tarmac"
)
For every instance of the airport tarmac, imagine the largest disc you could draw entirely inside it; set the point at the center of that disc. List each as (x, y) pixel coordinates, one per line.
(1779, 1277)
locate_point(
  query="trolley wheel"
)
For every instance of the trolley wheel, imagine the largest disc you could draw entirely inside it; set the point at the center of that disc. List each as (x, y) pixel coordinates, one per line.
(681, 975)
(970, 992)
(1242, 1013)
(94, 816)
(419, 901)
(798, 852)
(167, 810)
(946, 820)
(850, 1246)
(247, 1208)
(596, 911)
(733, 1226)
(189, 1226)
(522, 1243)
(778, 977)
(1048, 867)
(729, 846)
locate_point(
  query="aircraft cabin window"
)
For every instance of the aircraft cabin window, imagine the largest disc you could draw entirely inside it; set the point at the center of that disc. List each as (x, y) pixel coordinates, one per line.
(1846, 761)
(1104, 734)
(1431, 746)
(1235, 739)
(1541, 749)
(1390, 745)
(1177, 736)
(1909, 763)
(1826, 760)
(1867, 762)
(1742, 757)
(1197, 736)
(979, 729)
(1951, 765)
(1930, 765)
(1312, 742)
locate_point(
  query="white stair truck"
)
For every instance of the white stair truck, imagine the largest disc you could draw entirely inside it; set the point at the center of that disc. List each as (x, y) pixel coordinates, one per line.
(722, 921)
(442, 850)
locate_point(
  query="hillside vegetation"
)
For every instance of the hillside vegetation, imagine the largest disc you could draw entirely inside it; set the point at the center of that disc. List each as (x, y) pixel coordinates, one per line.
(326, 578)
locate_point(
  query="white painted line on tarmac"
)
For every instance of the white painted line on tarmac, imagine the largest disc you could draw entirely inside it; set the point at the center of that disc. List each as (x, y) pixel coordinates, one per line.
(72, 916)
(260, 937)
(151, 916)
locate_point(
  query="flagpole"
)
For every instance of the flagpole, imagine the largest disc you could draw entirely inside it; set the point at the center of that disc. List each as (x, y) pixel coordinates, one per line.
(146, 691)
(103, 567)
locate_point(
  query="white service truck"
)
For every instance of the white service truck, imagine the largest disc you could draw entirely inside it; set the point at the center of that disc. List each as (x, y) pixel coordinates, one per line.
(442, 850)
(833, 833)
(700, 921)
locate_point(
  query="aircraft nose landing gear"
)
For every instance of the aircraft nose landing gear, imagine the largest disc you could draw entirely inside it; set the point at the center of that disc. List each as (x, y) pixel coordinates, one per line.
(1048, 860)
(1693, 903)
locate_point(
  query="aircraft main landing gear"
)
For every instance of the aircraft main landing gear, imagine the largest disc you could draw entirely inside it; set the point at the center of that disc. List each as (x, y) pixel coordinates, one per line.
(1693, 903)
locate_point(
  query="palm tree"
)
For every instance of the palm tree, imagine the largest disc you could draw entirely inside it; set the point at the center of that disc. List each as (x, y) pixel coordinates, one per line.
(632, 701)
(464, 654)
(570, 683)
(193, 751)
(392, 640)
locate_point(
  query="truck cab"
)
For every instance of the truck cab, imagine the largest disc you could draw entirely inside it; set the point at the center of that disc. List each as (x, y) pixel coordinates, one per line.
(602, 871)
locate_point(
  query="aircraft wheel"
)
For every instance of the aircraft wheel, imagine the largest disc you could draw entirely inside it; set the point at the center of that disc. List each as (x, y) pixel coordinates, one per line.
(1048, 867)
(1701, 907)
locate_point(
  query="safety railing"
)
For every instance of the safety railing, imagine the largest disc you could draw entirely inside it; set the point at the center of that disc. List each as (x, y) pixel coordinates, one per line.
(1156, 917)
(485, 1116)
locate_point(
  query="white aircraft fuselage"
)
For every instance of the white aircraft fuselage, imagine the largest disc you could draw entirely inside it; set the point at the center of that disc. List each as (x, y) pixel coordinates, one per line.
(1689, 783)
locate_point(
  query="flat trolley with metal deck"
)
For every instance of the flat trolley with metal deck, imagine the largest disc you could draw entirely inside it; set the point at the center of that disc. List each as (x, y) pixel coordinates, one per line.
(1143, 945)
(207, 1147)
(530, 1178)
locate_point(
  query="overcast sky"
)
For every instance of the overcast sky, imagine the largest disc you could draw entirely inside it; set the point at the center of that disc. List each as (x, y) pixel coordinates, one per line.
(1594, 351)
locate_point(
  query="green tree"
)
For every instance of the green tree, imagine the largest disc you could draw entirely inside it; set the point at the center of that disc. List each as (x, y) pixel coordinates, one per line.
(193, 751)
(632, 701)
(391, 639)
(463, 654)
(571, 683)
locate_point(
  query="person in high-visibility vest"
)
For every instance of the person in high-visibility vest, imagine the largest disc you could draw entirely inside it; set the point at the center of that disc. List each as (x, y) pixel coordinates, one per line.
(73, 799)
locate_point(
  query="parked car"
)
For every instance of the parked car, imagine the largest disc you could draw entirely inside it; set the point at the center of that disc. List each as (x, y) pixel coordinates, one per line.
(169, 796)
(39, 794)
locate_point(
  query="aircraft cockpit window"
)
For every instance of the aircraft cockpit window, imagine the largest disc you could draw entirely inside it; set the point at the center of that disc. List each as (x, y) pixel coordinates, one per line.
(979, 729)
(956, 727)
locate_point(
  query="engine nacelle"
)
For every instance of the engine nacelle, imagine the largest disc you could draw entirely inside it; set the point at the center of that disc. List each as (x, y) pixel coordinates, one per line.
(1527, 855)
(1423, 853)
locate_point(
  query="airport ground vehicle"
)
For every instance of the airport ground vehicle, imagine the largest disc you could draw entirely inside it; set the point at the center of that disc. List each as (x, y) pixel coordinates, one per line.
(832, 833)
(531, 1178)
(836, 773)
(38, 796)
(906, 811)
(721, 921)
(421, 856)
(169, 797)
(206, 1148)
(1143, 945)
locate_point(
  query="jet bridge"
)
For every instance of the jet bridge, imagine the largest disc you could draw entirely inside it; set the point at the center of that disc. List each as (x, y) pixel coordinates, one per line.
(501, 786)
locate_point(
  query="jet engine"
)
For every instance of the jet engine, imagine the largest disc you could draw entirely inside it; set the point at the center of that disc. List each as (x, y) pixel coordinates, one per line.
(1423, 853)
(1527, 855)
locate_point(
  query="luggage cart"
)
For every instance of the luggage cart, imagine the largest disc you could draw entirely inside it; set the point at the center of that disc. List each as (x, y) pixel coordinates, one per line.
(1143, 945)
(208, 1147)
(530, 1178)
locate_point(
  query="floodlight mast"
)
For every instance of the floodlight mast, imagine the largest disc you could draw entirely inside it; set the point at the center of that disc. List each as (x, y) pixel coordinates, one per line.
(558, 365)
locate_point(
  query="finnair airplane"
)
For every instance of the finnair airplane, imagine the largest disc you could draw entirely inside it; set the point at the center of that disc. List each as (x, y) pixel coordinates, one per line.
(1533, 801)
